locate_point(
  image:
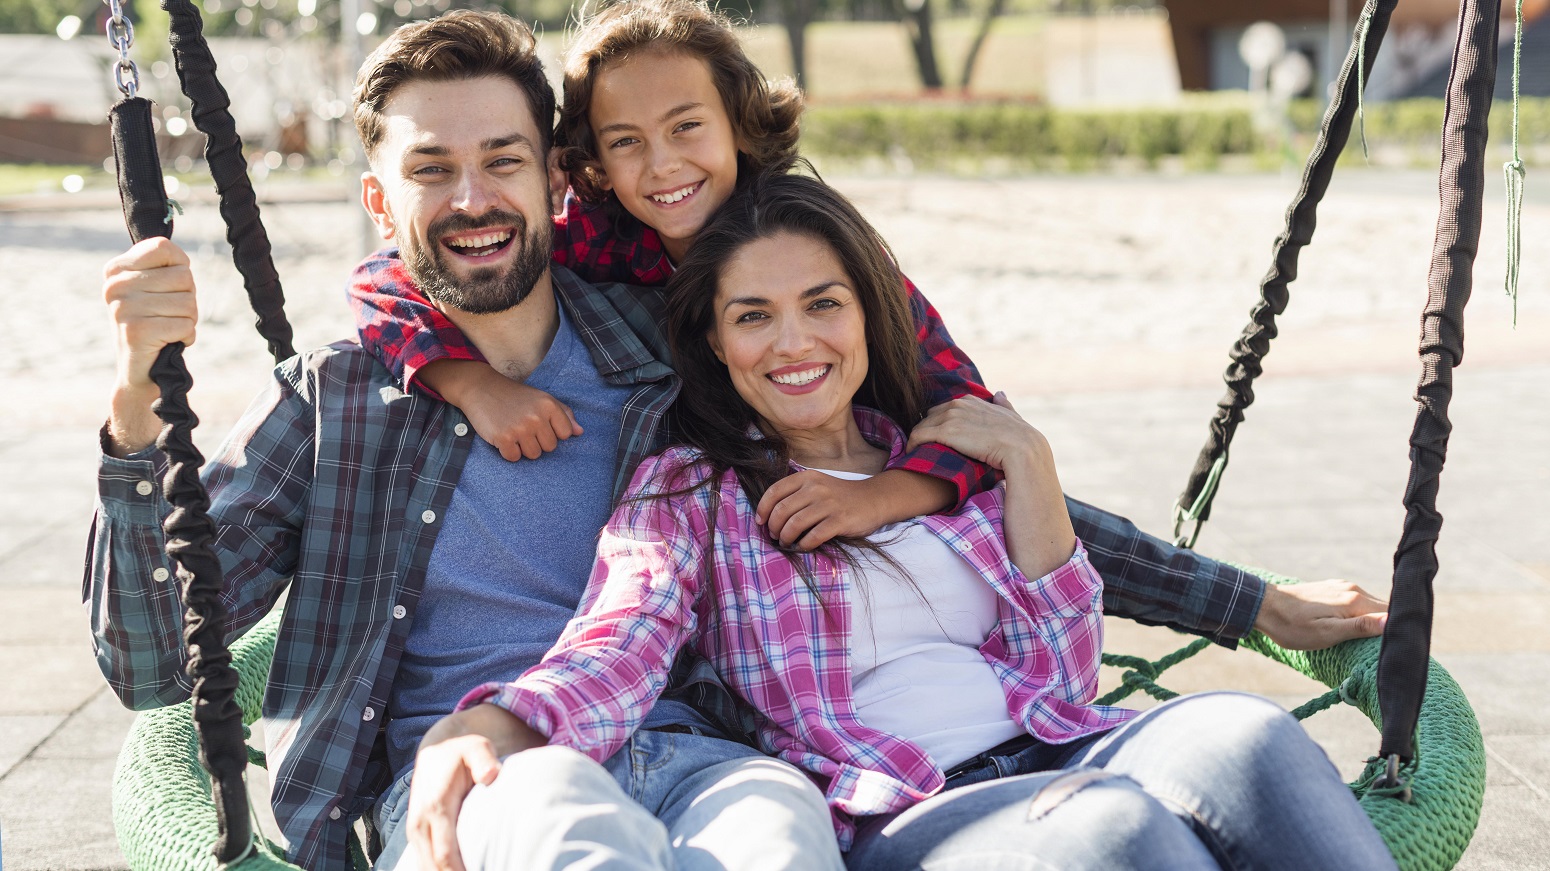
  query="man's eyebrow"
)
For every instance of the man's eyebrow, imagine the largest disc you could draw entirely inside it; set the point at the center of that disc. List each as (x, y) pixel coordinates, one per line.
(815, 290)
(676, 110)
(494, 143)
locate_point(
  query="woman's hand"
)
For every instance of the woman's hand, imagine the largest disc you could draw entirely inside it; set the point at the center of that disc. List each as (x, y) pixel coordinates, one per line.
(991, 432)
(461, 750)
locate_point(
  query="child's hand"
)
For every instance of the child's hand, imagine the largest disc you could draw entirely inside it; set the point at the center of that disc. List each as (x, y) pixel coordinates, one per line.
(806, 509)
(518, 420)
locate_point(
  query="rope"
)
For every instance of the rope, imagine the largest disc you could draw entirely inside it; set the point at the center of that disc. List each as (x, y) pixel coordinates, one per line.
(1254, 343)
(1402, 665)
(1515, 172)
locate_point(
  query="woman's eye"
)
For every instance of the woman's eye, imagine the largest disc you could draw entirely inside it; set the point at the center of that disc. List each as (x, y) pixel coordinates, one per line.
(825, 304)
(749, 317)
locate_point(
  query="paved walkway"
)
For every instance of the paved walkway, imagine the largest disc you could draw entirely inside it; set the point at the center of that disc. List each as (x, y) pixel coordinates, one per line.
(1103, 306)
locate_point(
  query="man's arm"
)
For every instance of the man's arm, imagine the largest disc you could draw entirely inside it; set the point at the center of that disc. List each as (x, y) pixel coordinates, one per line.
(1150, 581)
(135, 607)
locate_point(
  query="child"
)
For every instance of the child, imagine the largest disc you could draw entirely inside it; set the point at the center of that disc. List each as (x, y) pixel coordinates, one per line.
(663, 116)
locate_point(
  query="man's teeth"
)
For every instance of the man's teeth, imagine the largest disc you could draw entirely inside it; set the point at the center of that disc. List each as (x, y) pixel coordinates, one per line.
(480, 241)
(806, 376)
(675, 196)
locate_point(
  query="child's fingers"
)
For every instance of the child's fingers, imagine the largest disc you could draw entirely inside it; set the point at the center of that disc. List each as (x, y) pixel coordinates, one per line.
(777, 492)
(530, 446)
(575, 425)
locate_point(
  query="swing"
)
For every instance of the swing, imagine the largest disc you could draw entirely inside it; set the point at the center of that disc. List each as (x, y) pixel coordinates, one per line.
(1423, 790)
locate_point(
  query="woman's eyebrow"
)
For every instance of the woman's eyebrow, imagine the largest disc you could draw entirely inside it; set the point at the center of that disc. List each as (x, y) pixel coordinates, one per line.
(811, 292)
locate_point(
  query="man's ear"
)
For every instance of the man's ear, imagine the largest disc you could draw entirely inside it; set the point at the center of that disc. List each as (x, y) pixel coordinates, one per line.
(559, 183)
(374, 201)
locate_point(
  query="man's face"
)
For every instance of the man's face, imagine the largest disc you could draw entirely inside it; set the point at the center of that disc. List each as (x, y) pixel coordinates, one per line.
(459, 181)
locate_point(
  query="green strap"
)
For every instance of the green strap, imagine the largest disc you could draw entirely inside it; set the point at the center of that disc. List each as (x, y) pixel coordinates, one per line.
(1515, 173)
(1361, 73)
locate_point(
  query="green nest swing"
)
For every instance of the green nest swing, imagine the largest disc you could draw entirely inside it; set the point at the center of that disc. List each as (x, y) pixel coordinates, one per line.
(179, 796)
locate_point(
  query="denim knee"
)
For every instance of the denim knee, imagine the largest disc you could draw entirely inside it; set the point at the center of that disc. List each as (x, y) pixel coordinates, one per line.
(1248, 729)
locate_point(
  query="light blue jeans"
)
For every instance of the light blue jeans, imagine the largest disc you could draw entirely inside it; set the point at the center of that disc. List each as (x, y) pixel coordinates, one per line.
(666, 801)
(1217, 780)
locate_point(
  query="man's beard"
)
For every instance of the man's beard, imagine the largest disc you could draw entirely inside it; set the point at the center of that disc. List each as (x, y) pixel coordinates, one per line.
(486, 290)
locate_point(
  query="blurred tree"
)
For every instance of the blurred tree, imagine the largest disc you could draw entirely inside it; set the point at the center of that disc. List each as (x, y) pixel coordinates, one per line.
(917, 19)
(42, 16)
(988, 16)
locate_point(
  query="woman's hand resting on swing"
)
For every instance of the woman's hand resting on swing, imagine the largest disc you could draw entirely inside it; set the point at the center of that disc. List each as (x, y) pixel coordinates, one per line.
(1039, 537)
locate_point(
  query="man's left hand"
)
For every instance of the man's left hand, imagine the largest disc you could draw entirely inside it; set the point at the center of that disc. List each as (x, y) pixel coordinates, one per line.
(461, 750)
(1319, 614)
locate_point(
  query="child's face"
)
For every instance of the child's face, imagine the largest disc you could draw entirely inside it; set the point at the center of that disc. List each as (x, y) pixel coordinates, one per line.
(665, 143)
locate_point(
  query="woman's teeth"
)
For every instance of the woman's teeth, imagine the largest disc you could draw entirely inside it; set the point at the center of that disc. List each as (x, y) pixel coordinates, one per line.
(797, 379)
(674, 196)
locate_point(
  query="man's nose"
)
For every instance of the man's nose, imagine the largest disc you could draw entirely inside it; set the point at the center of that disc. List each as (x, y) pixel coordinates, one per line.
(473, 194)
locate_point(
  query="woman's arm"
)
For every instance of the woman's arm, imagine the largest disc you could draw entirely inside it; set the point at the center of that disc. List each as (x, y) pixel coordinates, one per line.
(596, 685)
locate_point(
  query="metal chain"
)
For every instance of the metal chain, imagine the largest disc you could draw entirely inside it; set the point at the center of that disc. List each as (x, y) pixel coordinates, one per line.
(121, 35)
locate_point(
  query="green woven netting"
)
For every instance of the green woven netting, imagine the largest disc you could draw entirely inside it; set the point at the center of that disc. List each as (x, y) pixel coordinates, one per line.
(166, 820)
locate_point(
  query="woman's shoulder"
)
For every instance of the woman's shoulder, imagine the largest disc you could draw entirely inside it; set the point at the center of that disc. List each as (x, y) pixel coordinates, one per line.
(676, 470)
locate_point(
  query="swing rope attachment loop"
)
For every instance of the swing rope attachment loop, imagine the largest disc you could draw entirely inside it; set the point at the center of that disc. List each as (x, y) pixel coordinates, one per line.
(1195, 512)
(121, 35)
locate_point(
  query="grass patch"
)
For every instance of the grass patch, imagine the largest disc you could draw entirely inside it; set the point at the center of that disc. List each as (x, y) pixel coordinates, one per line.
(38, 178)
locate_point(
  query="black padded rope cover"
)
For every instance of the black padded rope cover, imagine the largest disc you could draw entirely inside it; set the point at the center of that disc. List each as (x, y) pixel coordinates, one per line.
(1402, 666)
(1254, 343)
(217, 718)
(140, 186)
(223, 151)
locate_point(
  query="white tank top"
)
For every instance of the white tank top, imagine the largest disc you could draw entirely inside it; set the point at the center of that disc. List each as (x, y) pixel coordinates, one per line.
(916, 669)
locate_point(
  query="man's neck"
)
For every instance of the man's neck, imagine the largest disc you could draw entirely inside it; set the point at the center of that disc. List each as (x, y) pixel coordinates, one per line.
(515, 340)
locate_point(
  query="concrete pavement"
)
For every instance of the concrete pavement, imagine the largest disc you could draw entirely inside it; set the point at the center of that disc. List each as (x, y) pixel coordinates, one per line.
(1103, 306)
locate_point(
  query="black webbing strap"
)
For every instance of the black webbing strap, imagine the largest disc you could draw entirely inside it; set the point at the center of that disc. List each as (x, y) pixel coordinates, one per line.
(217, 718)
(223, 151)
(1402, 666)
(1254, 343)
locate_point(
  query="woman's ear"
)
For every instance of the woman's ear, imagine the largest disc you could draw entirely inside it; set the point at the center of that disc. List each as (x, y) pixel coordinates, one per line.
(715, 346)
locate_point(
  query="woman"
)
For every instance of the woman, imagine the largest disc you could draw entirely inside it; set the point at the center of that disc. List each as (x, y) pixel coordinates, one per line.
(936, 679)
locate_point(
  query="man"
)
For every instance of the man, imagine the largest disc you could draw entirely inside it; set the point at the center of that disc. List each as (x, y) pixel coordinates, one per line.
(417, 564)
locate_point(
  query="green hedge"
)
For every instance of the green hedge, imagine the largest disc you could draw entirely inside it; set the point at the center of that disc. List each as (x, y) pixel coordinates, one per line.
(944, 134)
(940, 133)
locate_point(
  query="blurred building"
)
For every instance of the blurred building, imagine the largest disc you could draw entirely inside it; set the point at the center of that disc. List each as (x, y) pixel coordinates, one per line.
(1413, 60)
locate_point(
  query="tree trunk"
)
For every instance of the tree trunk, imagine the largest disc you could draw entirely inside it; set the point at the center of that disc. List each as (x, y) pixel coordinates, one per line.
(796, 15)
(993, 11)
(916, 15)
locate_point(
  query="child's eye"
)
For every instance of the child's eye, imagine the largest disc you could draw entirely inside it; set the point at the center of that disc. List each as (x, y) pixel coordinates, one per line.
(686, 126)
(623, 142)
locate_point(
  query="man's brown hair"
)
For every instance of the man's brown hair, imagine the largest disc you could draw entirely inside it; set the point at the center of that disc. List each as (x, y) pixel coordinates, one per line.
(463, 44)
(764, 115)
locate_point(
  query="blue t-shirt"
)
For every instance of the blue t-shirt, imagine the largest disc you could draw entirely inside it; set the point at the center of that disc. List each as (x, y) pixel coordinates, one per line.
(513, 556)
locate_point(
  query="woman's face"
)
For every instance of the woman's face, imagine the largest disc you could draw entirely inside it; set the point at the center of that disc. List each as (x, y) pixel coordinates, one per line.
(789, 326)
(665, 142)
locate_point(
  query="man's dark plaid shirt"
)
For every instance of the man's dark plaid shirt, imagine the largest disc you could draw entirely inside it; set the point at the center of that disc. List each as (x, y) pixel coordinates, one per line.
(406, 332)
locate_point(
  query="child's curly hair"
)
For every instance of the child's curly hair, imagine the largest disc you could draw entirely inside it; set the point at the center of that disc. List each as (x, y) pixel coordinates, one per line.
(764, 115)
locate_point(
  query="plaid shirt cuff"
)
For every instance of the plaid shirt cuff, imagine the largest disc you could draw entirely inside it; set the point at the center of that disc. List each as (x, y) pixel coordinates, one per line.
(939, 461)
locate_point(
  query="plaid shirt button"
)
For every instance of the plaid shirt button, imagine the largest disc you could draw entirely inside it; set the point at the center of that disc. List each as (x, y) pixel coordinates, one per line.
(399, 612)
(160, 575)
(369, 714)
(144, 488)
(428, 516)
(334, 813)
(461, 429)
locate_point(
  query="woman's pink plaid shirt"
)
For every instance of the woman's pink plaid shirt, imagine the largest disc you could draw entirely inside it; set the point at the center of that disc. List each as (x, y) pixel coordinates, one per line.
(785, 647)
